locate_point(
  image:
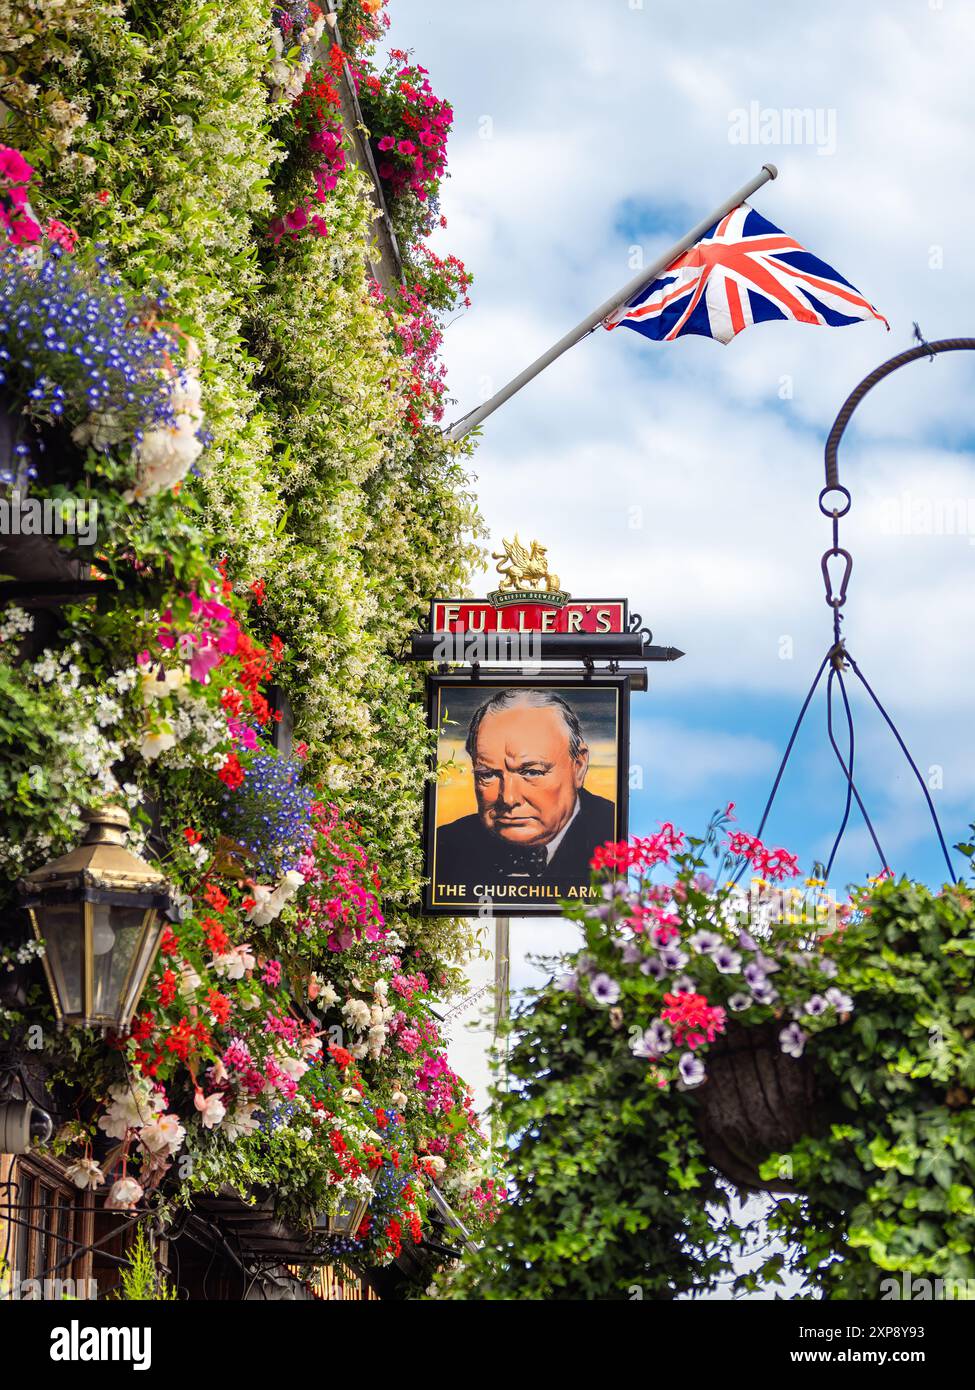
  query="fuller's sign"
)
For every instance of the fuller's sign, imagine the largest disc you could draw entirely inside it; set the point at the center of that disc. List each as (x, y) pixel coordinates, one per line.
(531, 765)
(528, 613)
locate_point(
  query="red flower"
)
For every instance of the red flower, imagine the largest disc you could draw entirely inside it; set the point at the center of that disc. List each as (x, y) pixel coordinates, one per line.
(219, 1006)
(216, 897)
(693, 1019)
(216, 937)
(257, 589)
(169, 942)
(192, 837)
(167, 988)
(232, 774)
(341, 1057)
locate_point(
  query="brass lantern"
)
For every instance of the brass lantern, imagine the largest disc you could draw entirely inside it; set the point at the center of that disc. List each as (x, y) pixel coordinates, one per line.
(99, 913)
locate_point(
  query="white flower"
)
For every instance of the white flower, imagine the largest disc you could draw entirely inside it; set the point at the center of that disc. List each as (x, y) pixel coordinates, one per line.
(399, 1099)
(328, 995)
(357, 1014)
(156, 685)
(294, 1067)
(156, 741)
(189, 982)
(132, 1106)
(124, 1195)
(241, 1122)
(269, 902)
(163, 1135)
(85, 1172)
(234, 965)
(164, 455)
(212, 1109)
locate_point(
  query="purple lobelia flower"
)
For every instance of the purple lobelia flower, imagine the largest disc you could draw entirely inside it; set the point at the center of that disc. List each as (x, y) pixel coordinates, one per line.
(737, 1002)
(841, 1002)
(816, 1005)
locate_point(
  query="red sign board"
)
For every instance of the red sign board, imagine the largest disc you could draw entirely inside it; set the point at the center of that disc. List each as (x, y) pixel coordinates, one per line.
(513, 615)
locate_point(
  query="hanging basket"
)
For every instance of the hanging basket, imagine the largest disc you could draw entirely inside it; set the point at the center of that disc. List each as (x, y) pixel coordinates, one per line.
(756, 1101)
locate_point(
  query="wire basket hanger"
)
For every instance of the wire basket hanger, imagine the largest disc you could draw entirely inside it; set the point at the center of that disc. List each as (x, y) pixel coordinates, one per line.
(835, 502)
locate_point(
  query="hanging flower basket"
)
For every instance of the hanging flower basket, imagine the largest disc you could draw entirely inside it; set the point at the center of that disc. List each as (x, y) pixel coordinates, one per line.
(756, 1101)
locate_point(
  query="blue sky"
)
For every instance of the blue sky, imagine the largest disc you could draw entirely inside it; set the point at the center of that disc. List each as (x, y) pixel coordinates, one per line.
(686, 475)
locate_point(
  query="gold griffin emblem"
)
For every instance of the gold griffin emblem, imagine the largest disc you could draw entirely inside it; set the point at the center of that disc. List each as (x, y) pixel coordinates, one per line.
(524, 571)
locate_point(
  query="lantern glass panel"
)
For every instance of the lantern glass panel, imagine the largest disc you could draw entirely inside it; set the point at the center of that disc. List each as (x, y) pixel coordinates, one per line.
(116, 933)
(62, 927)
(151, 932)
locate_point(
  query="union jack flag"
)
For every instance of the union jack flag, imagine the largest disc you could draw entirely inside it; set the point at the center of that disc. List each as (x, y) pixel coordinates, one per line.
(742, 271)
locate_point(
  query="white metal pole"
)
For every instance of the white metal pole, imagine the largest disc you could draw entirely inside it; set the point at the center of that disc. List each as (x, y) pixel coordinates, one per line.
(474, 417)
(502, 926)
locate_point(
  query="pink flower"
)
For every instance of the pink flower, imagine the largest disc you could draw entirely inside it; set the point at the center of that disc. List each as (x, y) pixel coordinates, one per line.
(387, 143)
(62, 235)
(204, 659)
(296, 218)
(406, 147)
(13, 166)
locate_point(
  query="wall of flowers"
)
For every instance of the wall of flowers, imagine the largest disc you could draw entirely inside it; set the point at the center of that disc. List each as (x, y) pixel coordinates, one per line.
(191, 337)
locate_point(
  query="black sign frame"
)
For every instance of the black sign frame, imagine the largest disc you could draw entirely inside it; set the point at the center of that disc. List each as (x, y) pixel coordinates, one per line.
(552, 680)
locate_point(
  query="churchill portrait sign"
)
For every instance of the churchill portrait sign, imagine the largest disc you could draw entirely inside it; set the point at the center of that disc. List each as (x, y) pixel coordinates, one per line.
(530, 779)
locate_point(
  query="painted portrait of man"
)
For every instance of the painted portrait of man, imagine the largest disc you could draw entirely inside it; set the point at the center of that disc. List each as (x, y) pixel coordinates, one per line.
(536, 822)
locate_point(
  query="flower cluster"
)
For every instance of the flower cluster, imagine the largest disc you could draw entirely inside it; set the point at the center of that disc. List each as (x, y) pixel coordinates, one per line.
(439, 283)
(17, 223)
(317, 117)
(692, 953)
(82, 349)
(409, 126)
(298, 29)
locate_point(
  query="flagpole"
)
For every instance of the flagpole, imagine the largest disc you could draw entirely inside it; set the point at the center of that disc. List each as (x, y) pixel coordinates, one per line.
(471, 420)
